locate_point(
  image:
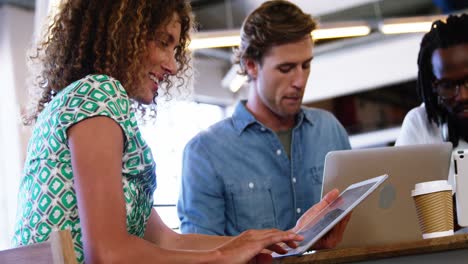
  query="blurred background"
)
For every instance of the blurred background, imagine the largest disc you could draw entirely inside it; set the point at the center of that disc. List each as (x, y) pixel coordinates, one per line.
(364, 71)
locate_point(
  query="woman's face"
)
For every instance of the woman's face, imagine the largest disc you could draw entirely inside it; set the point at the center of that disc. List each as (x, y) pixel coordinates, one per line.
(160, 62)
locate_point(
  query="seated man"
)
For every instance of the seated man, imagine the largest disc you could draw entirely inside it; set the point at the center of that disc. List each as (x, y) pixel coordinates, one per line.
(263, 167)
(443, 87)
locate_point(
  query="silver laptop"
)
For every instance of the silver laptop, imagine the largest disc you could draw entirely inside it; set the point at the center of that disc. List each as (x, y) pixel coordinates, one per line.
(388, 215)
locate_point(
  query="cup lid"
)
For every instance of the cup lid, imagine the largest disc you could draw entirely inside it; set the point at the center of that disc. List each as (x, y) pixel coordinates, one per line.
(431, 186)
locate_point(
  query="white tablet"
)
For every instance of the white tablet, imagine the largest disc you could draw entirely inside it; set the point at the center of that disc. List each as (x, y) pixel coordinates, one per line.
(333, 213)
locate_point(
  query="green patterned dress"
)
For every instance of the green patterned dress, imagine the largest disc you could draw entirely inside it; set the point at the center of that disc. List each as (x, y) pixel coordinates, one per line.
(47, 199)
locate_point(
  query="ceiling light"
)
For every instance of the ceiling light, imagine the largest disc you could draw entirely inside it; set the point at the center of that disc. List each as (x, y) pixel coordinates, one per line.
(215, 42)
(341, 30)
(408, 25)
(215, 39)
(230, 38)
(406, 28)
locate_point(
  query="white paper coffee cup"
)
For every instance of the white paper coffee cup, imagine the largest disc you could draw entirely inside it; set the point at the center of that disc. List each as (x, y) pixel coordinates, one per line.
(434, 208)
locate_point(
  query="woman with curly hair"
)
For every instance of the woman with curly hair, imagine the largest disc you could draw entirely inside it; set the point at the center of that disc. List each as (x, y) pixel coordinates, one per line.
(88, 169)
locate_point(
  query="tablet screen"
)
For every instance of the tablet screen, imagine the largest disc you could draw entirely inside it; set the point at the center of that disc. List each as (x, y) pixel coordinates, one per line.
(333, 213)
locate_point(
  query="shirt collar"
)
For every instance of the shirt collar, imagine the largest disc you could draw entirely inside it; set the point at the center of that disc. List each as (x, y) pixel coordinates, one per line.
(242, 118)
(307, 115)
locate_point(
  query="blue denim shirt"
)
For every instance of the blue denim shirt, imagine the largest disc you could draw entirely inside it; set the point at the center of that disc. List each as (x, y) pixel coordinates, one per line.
(237, 176)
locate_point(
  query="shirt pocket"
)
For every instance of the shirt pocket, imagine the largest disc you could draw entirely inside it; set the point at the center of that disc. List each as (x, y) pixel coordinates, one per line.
(253, 205)
(315, 175)
(314, 179)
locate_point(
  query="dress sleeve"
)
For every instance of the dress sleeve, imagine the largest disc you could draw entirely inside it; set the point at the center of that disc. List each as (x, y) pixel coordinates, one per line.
(96, 95)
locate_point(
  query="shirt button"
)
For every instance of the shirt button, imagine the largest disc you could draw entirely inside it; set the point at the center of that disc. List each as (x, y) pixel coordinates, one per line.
(298, 210)
(294, 180)
(251, 185)
(278, 152)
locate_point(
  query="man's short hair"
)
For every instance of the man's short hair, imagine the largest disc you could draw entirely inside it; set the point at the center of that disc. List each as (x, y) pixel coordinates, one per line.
(273, 23)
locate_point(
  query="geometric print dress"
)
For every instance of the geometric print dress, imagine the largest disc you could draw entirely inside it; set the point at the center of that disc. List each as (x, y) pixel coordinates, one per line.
(47, 199)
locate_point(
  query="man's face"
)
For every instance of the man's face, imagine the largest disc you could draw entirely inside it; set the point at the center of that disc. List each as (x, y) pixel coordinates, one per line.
(450, 67)
(281, 78)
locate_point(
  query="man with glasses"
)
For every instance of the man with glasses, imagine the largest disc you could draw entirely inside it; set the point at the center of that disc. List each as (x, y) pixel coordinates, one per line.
(443, 86)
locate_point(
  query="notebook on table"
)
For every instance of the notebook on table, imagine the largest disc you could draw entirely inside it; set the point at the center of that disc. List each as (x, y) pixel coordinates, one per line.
(388, 216)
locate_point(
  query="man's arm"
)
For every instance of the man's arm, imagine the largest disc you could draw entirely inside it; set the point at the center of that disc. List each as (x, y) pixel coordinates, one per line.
(201, 204)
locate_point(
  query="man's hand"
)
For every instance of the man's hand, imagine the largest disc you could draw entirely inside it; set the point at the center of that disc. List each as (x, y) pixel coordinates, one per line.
(334, 236)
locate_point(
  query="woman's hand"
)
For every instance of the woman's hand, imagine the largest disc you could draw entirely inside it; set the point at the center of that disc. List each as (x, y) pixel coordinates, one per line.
(247, 247)
(334, 236)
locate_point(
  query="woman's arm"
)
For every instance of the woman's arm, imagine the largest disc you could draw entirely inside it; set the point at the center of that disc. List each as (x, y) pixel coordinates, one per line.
(96, 146)
(160, 234)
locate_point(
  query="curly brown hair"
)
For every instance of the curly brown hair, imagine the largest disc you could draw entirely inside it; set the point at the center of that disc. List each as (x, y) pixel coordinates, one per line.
(273, 23)
(104, 37)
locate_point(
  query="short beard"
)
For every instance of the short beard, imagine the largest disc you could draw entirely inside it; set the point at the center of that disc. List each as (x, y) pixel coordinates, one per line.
(457, 126)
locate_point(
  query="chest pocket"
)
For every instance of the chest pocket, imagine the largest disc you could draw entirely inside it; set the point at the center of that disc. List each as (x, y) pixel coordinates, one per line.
(316, 175)
(314, 179)
(252, 205)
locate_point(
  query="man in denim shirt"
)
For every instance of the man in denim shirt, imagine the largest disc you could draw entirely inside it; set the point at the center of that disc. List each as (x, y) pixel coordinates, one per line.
(263, 167)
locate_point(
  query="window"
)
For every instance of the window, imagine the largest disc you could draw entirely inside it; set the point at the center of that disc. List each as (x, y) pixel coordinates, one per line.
(176, 123)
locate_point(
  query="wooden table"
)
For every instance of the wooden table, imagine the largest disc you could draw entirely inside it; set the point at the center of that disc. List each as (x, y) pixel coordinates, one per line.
(450, 249)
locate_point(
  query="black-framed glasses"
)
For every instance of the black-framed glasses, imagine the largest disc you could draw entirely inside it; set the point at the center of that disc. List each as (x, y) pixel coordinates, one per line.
(449, 89)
